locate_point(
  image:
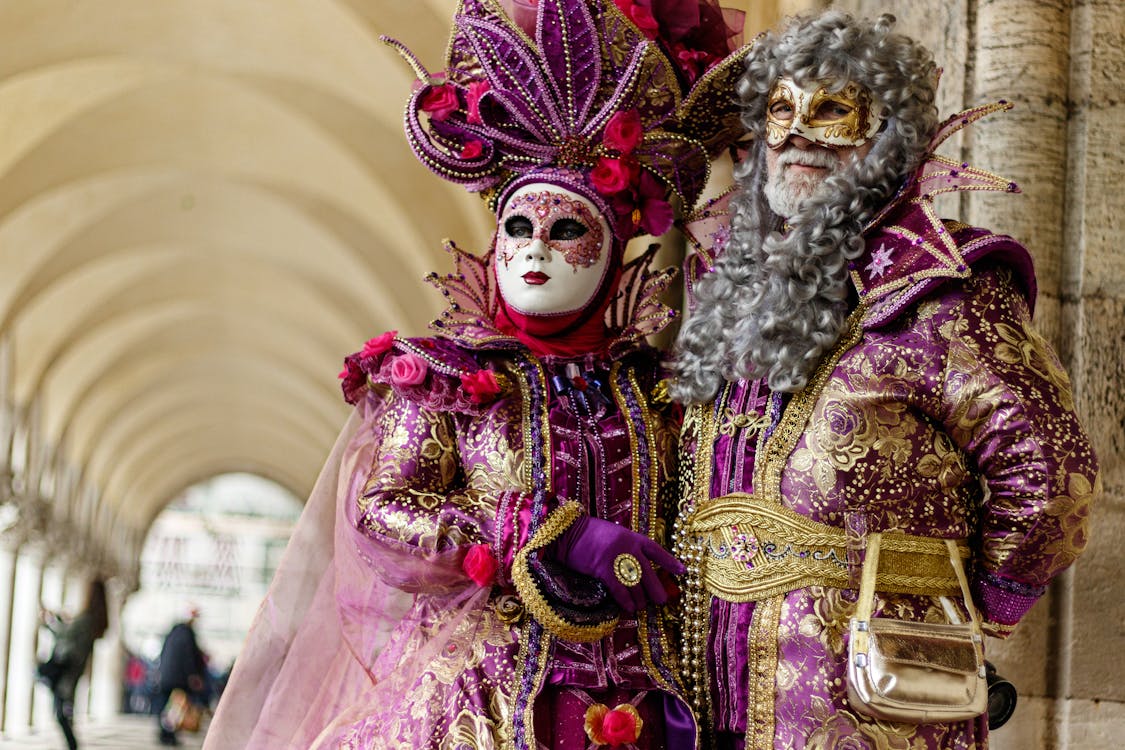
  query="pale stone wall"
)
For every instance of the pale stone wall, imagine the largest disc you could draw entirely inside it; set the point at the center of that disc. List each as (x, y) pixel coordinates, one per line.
(1062, 64)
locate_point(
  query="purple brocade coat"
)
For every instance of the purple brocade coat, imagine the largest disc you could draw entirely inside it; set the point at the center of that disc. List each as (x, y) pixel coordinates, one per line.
(942, 414)
(455, 470)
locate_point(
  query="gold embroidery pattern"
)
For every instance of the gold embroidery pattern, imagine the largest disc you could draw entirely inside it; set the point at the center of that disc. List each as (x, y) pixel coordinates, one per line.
(760, 719)
(752, 423)
(757, 550)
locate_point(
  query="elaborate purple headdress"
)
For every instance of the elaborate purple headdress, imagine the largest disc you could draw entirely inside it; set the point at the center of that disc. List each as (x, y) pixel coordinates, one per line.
(632, 97)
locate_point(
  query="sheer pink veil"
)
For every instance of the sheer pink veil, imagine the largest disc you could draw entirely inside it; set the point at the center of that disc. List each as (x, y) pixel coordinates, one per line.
(333, 647)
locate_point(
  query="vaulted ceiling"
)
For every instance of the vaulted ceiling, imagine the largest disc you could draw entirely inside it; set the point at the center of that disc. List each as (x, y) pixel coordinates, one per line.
(204, 205)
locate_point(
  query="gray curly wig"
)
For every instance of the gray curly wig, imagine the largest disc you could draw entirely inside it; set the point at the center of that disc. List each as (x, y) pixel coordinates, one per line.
(775, 304)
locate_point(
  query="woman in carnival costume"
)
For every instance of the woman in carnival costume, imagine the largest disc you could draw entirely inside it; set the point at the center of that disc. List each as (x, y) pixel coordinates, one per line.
(482, 562)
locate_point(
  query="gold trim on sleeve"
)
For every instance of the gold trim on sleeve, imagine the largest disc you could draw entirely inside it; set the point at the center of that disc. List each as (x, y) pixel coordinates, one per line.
(554, 623)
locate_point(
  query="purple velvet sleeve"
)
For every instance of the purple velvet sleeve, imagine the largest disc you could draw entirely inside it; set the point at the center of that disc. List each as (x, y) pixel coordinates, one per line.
(1008, 404)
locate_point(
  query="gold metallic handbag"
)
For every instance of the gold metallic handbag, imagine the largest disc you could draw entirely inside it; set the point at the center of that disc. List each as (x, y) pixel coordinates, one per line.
(915, 672)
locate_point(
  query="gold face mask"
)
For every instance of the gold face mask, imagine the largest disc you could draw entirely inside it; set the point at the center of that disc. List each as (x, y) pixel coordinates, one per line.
(832, 120)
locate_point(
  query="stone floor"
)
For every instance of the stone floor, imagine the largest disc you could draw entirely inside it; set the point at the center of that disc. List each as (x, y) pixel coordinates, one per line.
(124, 732)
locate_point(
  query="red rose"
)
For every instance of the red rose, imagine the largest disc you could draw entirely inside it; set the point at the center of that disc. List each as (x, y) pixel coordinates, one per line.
(480, 565)
(613, 175)
(623, 131)
(472, 149)
(620, 727)
(482, 386)
(408, 369)
(376, 346)
(477, 89)
(440, 102)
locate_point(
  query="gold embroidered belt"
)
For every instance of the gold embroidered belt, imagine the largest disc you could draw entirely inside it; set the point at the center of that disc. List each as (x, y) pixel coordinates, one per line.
(749, 549)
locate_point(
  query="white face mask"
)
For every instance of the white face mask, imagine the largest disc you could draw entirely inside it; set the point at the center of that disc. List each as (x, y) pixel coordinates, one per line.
(552, 250)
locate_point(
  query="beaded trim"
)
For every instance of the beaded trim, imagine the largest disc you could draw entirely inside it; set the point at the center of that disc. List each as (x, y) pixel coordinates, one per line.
(627, 393)
(695, 479)
(537, 481)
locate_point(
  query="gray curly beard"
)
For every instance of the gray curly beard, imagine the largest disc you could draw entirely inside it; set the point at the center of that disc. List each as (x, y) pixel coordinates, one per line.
(786, 189)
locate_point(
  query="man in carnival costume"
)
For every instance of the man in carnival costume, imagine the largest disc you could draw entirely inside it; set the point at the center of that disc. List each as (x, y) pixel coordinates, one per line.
(500, 498)
(862, 374)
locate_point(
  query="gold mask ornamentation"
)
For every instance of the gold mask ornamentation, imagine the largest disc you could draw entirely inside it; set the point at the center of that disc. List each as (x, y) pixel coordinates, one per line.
(834, 120)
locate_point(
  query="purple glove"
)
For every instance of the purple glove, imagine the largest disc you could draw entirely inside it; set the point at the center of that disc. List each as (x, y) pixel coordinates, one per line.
(591, 546)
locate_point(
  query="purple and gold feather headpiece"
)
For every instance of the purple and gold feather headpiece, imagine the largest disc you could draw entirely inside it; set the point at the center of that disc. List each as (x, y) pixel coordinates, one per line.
(603, 91)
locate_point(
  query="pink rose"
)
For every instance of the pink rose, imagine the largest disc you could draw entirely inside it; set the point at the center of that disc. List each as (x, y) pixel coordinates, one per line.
(472, 149)
(482, 386)
(480, 565)
(376, 346)
(623, 131)
(440, 102)
(477, 89)
(620, 727)
(613, 175)
(408, 369)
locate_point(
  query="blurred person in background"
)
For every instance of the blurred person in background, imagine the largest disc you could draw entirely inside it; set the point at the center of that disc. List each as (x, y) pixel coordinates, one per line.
(74, 642)
(182, 666)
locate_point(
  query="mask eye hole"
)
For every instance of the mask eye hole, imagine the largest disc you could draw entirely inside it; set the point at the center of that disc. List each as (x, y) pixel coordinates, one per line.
(567, 229)
(831, 110)
(518, 227)
(781, 110)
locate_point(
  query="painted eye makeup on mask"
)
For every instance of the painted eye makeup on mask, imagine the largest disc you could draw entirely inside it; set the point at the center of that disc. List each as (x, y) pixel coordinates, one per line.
(564, 225)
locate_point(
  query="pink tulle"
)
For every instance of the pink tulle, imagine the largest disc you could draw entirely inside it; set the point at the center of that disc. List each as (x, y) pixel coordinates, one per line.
(327, 649)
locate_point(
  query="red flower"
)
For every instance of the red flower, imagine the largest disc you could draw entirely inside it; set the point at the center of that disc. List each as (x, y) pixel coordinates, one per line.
(620, 726)
(482, 386)
(623, 132)
(693, 62)
(641, 16)
(480, 565)
(440, 101)
(472, 149)
(408, 369)
(381, 343)
(477, 89)
(614, 175)
(343, 373)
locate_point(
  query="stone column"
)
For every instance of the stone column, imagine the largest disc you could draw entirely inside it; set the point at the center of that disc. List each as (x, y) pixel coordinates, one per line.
(9, 557)
(25, 626)
(1092, 342)
(1020, 54)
